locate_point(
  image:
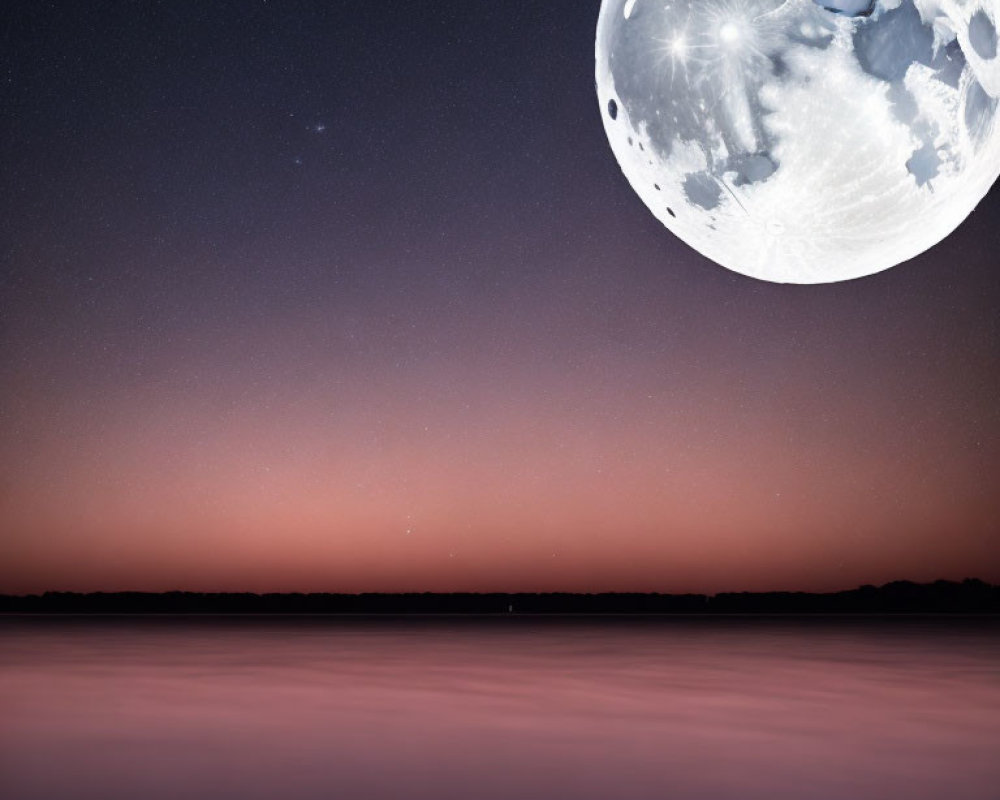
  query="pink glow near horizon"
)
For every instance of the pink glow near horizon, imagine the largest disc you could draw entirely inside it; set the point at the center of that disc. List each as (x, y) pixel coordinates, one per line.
(485, 481)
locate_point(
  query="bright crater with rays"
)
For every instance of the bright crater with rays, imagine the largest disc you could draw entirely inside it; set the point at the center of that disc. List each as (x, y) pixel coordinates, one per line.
(802, 141)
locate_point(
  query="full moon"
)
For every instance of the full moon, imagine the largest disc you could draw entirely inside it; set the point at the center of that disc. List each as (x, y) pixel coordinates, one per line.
(803, 141)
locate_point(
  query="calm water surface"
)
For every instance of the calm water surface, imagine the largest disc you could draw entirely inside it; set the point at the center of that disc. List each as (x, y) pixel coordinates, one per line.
(279, 708)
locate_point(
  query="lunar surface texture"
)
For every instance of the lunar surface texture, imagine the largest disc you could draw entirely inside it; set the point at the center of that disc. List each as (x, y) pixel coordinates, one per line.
(801, 141)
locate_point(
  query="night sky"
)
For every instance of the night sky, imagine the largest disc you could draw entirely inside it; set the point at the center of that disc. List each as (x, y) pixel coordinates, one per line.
(354, 296)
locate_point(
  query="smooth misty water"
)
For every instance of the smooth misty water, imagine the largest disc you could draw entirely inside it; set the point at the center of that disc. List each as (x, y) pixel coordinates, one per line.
(712, 709)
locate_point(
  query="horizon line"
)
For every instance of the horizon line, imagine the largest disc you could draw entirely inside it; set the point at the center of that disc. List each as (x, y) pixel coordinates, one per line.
(899, 581)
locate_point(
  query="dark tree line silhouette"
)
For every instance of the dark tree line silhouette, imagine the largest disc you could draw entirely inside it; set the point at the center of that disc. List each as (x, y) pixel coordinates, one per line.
(970, 596)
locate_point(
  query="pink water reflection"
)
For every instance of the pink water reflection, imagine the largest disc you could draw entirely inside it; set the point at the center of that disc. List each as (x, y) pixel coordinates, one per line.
(501, 709)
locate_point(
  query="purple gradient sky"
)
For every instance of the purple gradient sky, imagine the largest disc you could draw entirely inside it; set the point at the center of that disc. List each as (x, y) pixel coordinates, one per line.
(343, 298)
